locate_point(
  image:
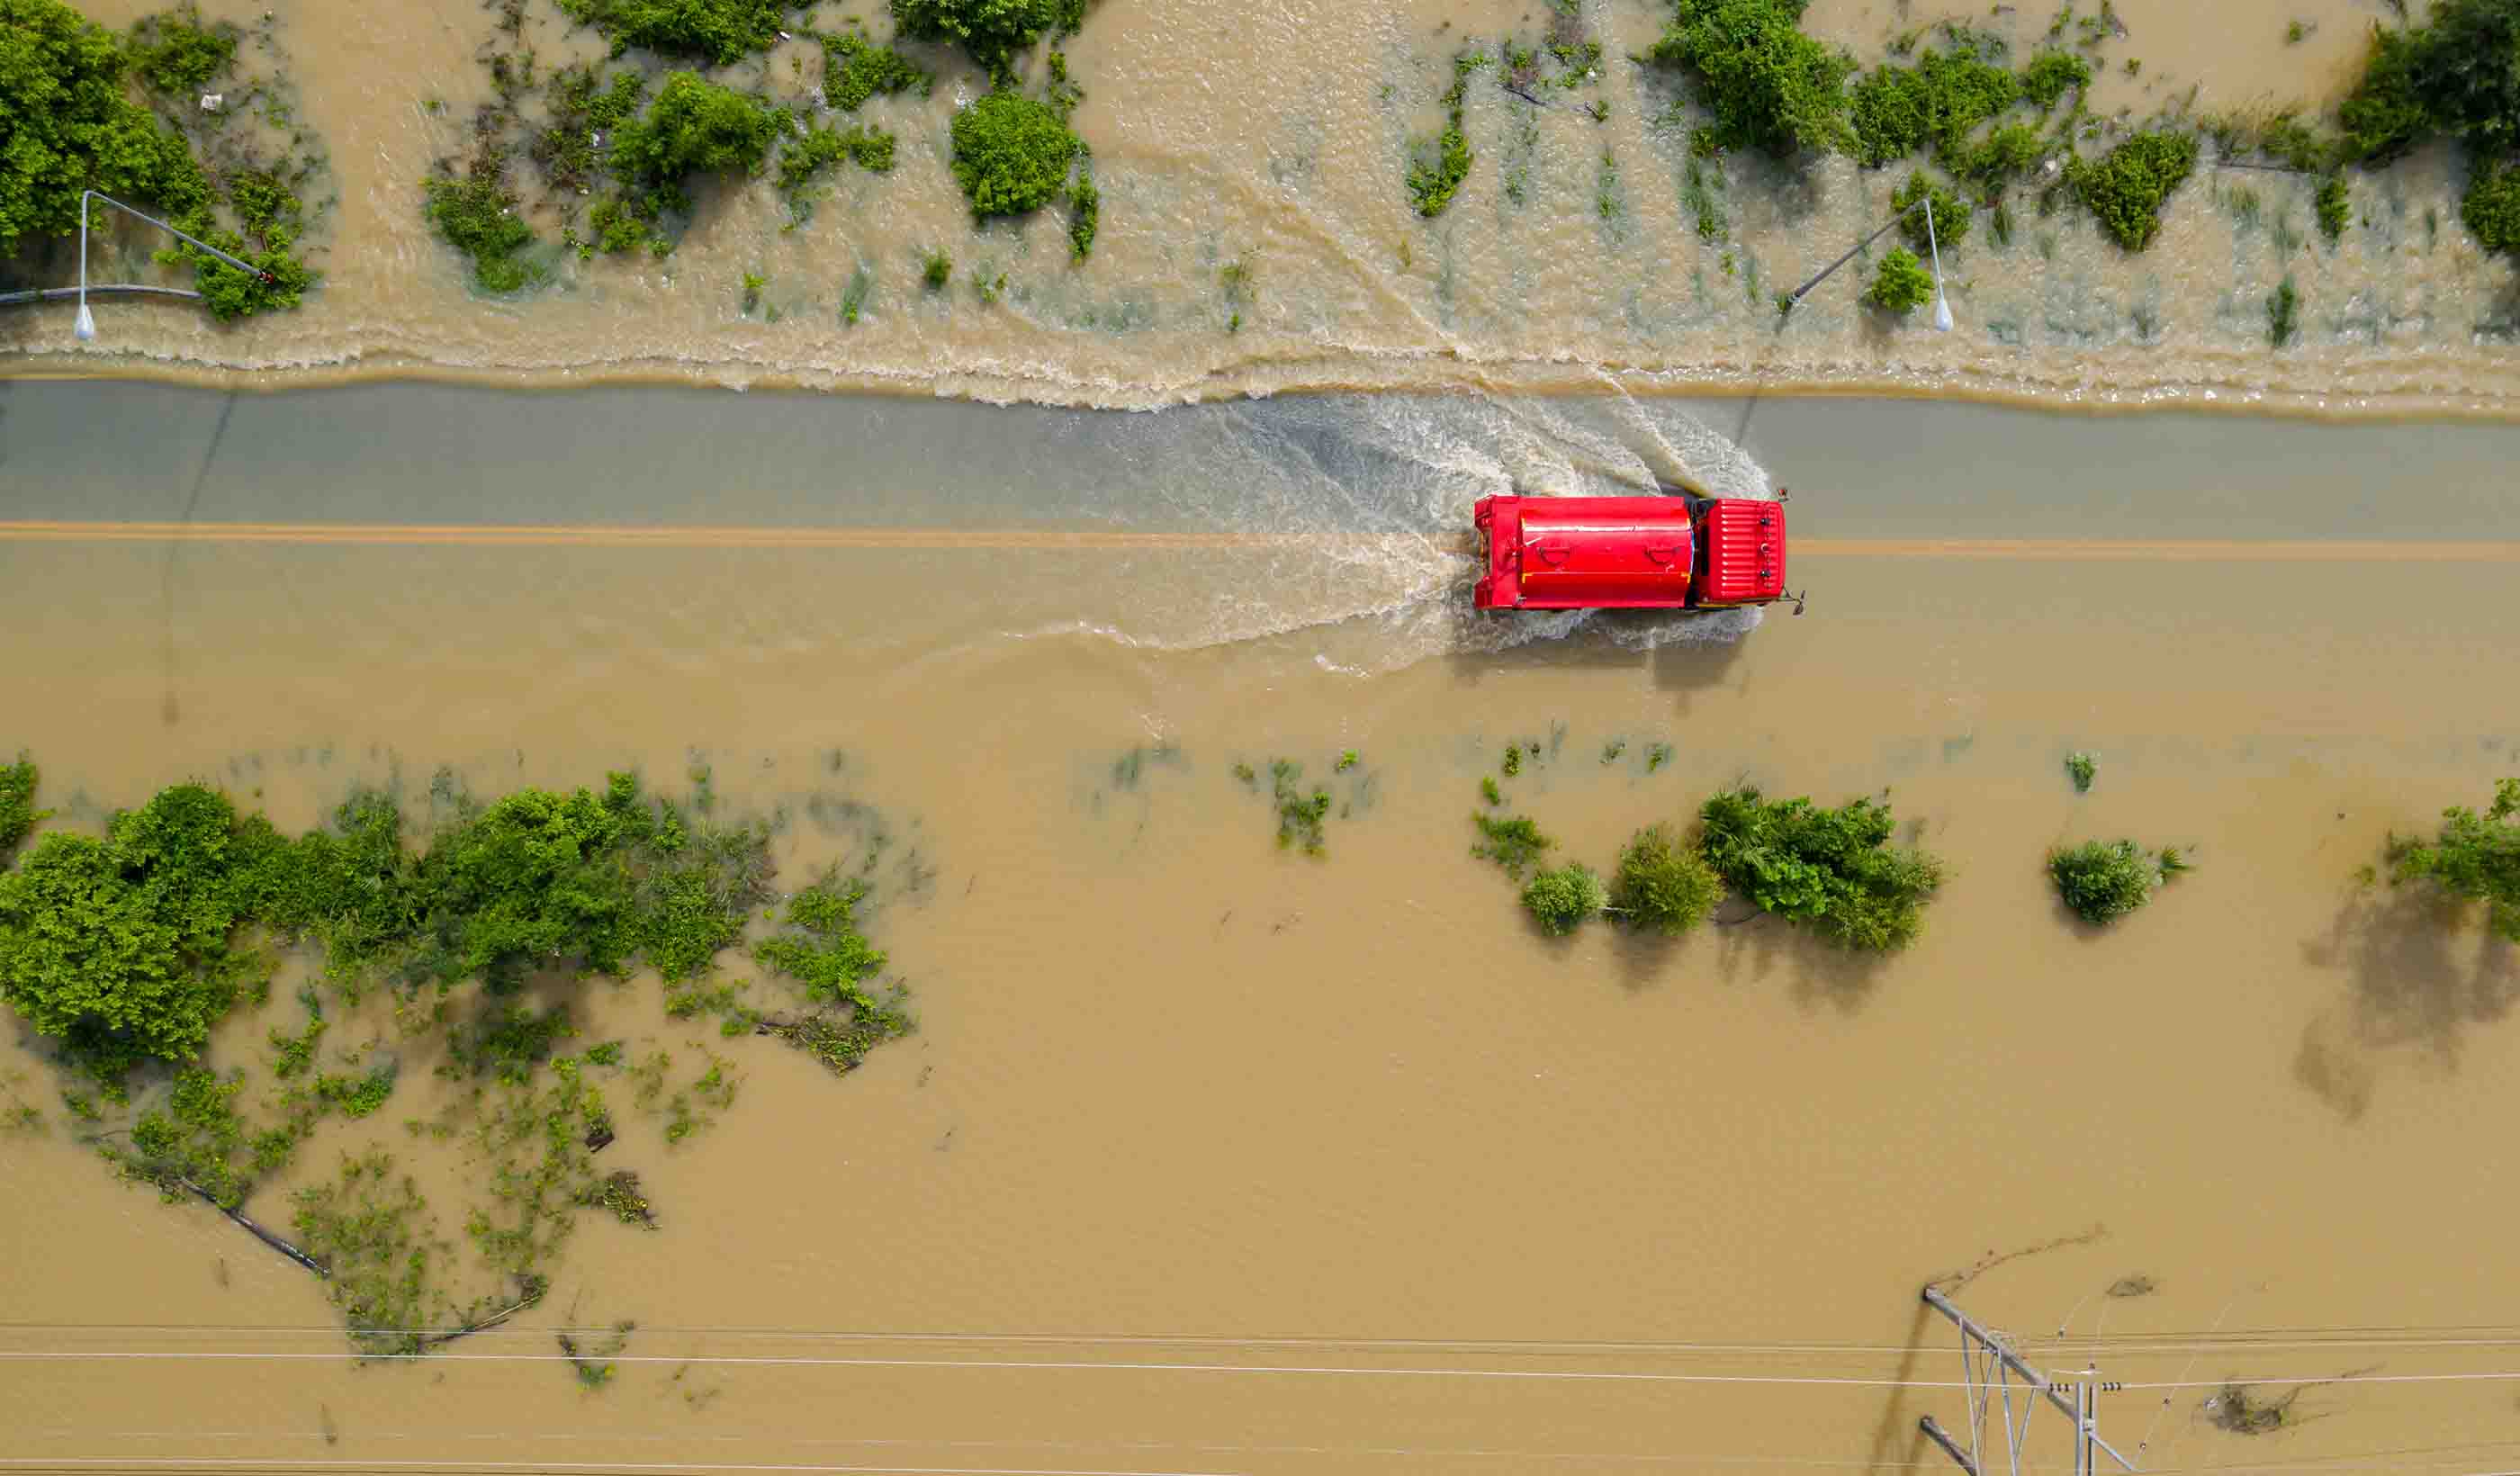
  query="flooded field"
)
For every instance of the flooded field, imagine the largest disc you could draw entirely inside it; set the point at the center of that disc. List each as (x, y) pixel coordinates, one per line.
(1208, 1157)
(1256, 232)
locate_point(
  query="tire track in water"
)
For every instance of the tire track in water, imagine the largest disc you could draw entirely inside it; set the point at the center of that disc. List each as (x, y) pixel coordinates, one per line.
(949, 539)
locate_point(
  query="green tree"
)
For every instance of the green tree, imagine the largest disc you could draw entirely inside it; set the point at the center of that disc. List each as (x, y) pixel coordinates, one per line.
(1560, 901)
(1769, 85)
(694, 127)
(1901, 284)
(1663, 884)
(119, 947)
(1012, 153)
(1834, 870)
(2476, 857)
(67, 125)
(992, 31)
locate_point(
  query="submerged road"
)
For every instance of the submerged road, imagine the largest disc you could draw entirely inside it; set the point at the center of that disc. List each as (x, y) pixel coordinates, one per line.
(1050, 540)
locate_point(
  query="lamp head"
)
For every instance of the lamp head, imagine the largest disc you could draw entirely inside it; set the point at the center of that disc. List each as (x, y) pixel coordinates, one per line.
(86, 326)
(1942, 313)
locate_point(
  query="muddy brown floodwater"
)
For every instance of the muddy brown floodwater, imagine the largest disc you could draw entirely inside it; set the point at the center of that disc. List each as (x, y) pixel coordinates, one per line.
(1578, 253)
(1209, 1157)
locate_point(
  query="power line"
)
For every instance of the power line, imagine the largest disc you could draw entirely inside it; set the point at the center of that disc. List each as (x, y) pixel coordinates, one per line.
(1099, 1366)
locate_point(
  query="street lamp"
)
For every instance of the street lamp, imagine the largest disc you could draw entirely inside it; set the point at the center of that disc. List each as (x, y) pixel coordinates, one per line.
(85, 327)
(1942, 304)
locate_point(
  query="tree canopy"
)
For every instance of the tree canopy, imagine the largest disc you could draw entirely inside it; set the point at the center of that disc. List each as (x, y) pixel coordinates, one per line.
(67, 124)
(1012, 153)
(1768, 84)
(1834, 870)
(2476, 857)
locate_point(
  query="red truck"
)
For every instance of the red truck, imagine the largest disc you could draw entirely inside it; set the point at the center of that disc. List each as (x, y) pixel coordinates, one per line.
(1678, 551)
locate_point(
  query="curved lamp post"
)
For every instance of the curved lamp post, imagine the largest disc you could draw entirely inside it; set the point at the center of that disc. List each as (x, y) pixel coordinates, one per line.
(1942, 303)
(86, 326)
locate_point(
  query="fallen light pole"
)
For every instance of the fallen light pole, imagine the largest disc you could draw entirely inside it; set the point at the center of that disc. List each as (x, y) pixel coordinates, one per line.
(1942, 305)
(86, 325)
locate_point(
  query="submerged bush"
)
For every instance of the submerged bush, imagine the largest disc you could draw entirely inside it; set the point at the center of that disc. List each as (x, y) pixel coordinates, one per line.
(2104, 880)
(1834, 870)
(2490, 207)
(2458, 73)
(1941, 100)
(1769, 85)
(123, 947)
(2050, 74)
(1560, 901)
(1663, 884)
(992, 31)
(723, 30)
(2475, 857)
(175, 53)
(1901, 284)
(1012, 153)
(1513, 841)
(2125, 188)
(1951, 215)
(855, 69)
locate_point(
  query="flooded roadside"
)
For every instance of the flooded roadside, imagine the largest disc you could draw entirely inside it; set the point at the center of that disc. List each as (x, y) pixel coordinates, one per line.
(1257, 237)
(1180, 1099)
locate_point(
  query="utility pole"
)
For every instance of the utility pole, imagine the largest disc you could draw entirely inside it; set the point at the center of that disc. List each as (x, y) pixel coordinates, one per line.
(1997, 1377)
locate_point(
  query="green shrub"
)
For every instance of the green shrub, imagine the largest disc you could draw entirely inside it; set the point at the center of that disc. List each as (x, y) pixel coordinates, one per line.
(1833, 869)
(2050, 74)
(1952, 214)
(2283, 313)
(2081, 768)
(1513, 842)
(2104, 880)
(67, 126)
(1085, 208)
(1941, 101)
(1010, 153)
(801, 158)
(2490, 207)
(855, 69)
(1663, 884)
(992, 31)
(2475, 857)
(694, 127)
(1560, 901)
(2385, 114)
(937, 269)
(175, 53)
(2458, 73)
(2125, 188)
(18, 812)
(723, 30)
(2005, 153)
(479, 218)
(2335, 209)
(1769, 85)
(1901, 283)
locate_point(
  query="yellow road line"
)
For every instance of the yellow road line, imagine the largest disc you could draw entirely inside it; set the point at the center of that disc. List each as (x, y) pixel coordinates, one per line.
(691, 536)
